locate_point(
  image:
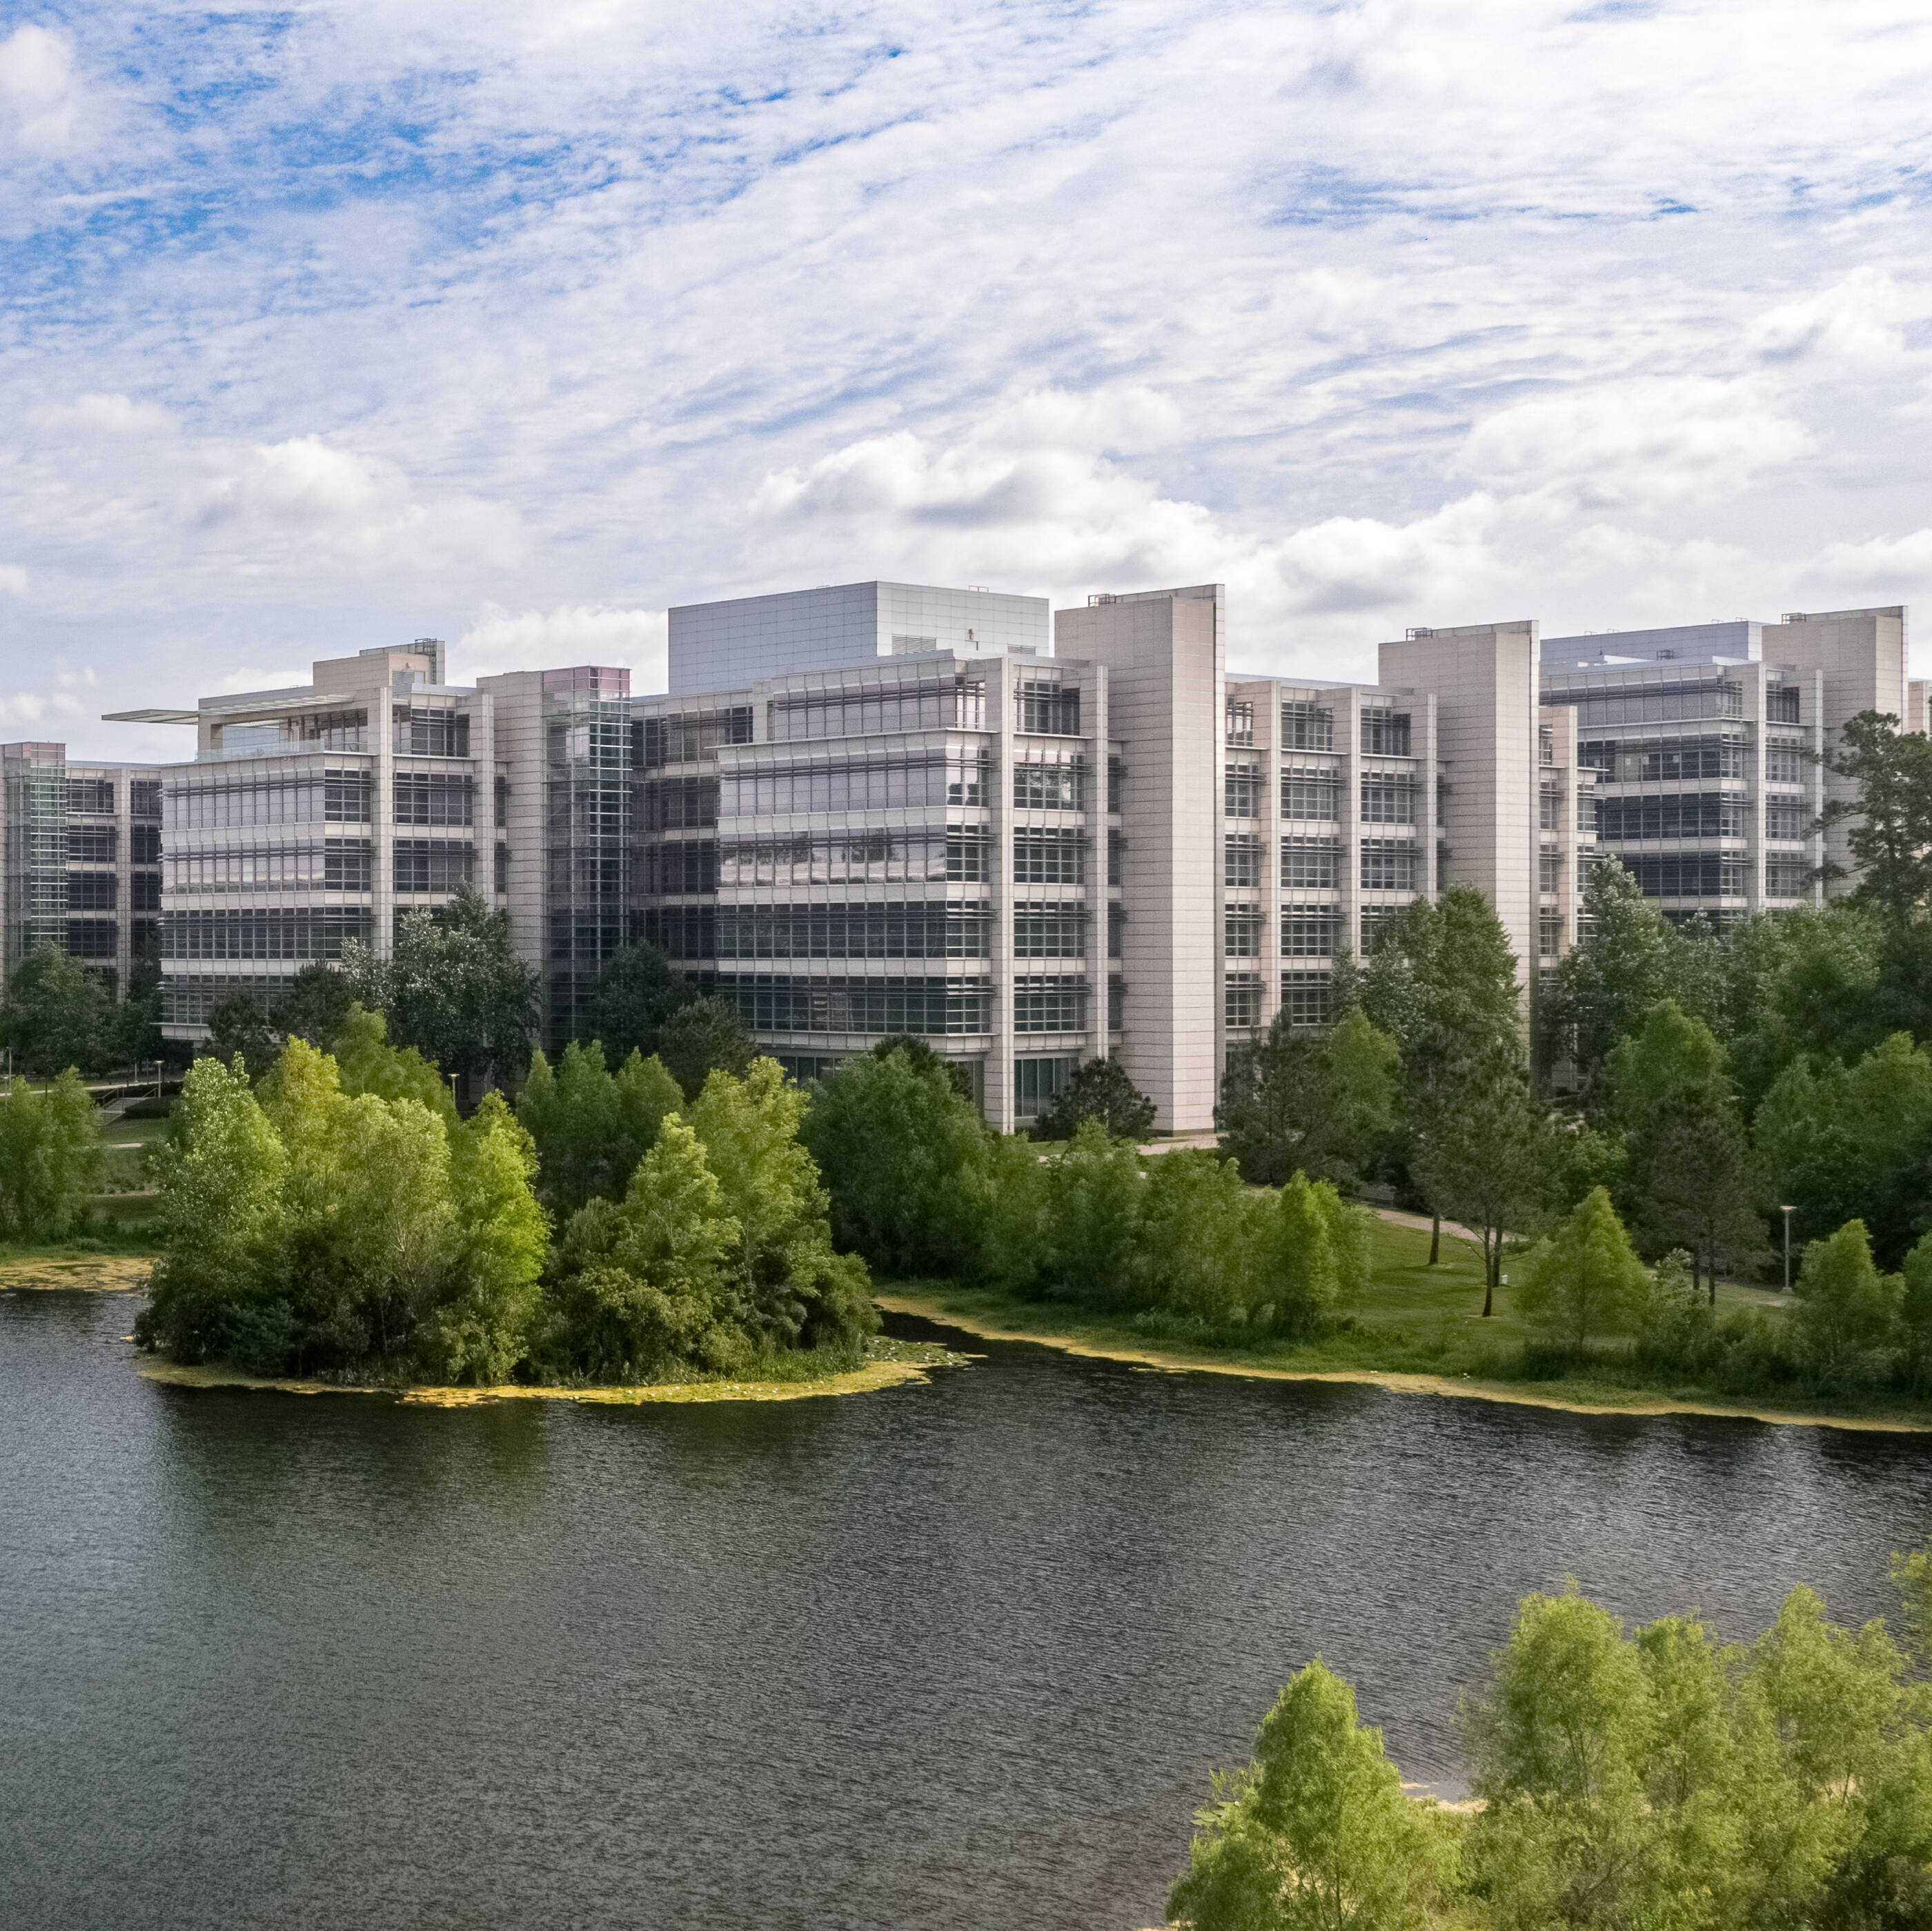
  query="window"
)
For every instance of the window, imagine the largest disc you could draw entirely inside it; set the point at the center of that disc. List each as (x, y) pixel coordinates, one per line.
(1549, 807)
(1780, 703)
(1241, 858)
(1385, 733)
(1304, 998)
(503, 803)
(1049, 932)
(91, 795)
(92, 844)
(1308, 934)
(1117, 918)
(1049, 709)
(144, 797)
(778, 1002)
(346, 865)
(1117, 1004)
(432, 865)
(1666, 760)
(426, 797)
(1695, 814)
(1240, 727)
(1309, 862)
(1049, 858)
(680, 804)
(887, 783)
(144, 844)
(1241, 1000)
(1687, 874)
(1376, 920)
(1787, 818)
(347, 796)
(1659, 702)
(423, 732)
(1241, 938)
(969, 856)
(1388, 864)
(144, 891)
(1037, 1083)
(303, 933)
(1116, 845)
(1043, 1004)
(1315, 794)
(685, 865)
(1307, 727)
(1550, 869)
(915, 929)
(502, 878)
(1041, 786)
(1783, 762)
(1117, 772)
(1388, 799)
(1241, 791)
(90, 892)
(1786, 877)
(90, 938)
(685, 736)
(1549, 934)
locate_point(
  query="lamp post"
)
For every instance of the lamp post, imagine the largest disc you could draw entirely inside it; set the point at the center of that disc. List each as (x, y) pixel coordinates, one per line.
(1787, 1212)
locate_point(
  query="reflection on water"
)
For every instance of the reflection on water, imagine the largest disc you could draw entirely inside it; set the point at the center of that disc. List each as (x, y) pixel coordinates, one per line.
(954, 1655)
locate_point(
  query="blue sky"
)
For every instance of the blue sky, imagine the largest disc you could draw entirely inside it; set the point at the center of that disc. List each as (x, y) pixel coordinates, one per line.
(337, 324)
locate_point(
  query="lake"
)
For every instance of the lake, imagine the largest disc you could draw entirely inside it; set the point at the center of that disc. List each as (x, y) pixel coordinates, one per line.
(961, 1655)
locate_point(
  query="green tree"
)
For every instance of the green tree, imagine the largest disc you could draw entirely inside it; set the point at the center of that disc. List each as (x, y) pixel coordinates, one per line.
(920, 1053)
(366, 1063)
(1316, 1834)
(591, 1128)
(1845, 1307)
(644, 1281)
(793, 1289)
(905, 1159)
(1843, 1142)
(50, 1153)
(219, 1179)
(1484, 1152)
(1316, 1101)
(238, 1027)
(1101, 1090)
(56, 1013)
(636, 992)
(1582, 1278)
(1889, 824)
(455, 988)
(316, 1005)
(1625, 961)
(1313, 1256)
(703, 1037)
(1194, 1252)
(484, 1329)
(1093, 1188)
(1914, 1313)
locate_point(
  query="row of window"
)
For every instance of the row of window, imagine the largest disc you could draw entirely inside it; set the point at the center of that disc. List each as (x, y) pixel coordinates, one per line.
(687, 736)
(1386, 865)
(1668, 760)
(99, 938)
(1656, 703)
(298, 933)
(1305, 999)
(1700, 815)
(99, 891)
(1387, 798)
(773, 1002)
(918, 778)
(1309, 726)
(1712, 875)
(925, 703)
(333, 797)
(94, 797)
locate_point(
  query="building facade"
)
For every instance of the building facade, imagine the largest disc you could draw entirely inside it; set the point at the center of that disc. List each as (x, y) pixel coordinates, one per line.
(1032, 837)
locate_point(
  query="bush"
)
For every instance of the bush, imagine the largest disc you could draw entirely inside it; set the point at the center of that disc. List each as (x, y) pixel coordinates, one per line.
(50, 1156)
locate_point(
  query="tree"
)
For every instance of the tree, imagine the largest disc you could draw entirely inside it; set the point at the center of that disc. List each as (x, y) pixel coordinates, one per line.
(1889, 823)
(1194, 1255)
(1484, 1152)
(1624, 962)
(1313, 1258)
(316, 1005)
(1843, 1142)
(794, 1291)
(637, 991)
(455, 988)
(1582, 1277)
(703, 1037)
(1316, 1834)
(50, 1157)
(1318, 1101)
(239, 1027)
(592, 1129)
(1093, 1190)
(1914, 1313)
(56, 1014)
(1845, 1307)
(366, 1063)
(1099, 1090)
(920, 1053)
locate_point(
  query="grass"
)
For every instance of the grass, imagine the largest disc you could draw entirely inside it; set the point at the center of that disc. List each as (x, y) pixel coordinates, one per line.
(1418, 1328)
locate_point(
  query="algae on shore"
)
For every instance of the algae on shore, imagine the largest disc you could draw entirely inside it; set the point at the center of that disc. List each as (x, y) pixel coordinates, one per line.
(83, 1273)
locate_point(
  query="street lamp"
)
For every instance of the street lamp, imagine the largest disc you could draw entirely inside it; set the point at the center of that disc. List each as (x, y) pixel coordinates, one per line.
(1787, 1212)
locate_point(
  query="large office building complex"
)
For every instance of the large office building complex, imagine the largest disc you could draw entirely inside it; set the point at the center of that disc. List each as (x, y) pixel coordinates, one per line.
(1032, 837)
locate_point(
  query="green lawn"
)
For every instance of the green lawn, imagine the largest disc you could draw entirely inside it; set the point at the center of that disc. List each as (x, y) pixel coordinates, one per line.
(1414, 1320)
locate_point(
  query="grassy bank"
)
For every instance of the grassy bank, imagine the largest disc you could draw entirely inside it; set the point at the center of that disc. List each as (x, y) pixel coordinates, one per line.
(1418, 1330)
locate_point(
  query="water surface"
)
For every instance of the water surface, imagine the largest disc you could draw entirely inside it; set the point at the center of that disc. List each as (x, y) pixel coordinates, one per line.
(956, 1656)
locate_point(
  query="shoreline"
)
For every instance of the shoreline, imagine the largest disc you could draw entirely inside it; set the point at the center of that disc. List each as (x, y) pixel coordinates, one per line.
(927, 1307)
(875, 1374)
(77, 1273)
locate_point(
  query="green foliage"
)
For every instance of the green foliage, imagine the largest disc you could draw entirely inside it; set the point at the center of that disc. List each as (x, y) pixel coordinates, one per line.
(50, 1154)
(636, 992)
(1320, 1101)
(1089, 1221)
(1315, 1835)
(1099, 1090)
(1915, 1313)
(591, 1128)
(367, 1063)
(701, 1038)
(316, 1006)
(1889, 822)
(1845, 1307)
(454, 988)
(1844, 1142)
(56, 1013)
(1625, 1780)
(239, 1027)
(920, 1053)
(1583, 1278)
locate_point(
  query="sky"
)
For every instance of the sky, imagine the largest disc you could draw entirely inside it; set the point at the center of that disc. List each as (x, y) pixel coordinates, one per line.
(343, 323)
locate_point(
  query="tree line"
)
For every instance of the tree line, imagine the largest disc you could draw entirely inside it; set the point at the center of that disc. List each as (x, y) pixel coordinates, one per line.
(341, 1219)
(1621, 1778)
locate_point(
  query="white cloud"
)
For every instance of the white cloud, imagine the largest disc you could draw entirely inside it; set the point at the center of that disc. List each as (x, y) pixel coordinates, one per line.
(13, 580)
(500, 639)
(42, 110)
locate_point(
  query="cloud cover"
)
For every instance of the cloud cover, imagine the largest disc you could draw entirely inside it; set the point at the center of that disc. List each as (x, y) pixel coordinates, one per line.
(332, 325)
